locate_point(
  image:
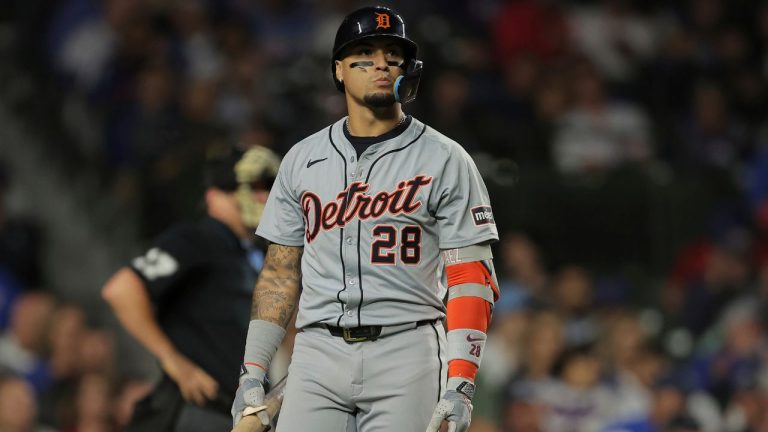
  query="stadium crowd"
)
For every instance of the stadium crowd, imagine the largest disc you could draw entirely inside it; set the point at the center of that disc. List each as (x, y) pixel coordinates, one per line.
(135, 91)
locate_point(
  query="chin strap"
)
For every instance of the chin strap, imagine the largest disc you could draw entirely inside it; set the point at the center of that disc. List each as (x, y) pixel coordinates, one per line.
(407, 85)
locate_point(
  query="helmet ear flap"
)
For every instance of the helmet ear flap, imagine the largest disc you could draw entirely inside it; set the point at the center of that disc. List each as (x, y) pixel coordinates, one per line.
(407, 85)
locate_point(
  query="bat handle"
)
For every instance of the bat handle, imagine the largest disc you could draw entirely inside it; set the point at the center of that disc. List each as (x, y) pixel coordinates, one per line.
(253, 410)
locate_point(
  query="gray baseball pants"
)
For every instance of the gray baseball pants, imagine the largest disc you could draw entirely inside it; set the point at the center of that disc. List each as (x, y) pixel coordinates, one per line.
(390, 384)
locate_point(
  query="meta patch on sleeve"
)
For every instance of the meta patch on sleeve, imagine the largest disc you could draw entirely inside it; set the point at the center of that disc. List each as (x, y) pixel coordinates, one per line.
(482, 215)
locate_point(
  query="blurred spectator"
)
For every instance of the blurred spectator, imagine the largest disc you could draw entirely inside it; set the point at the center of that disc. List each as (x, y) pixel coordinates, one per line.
(131, 391)
(201, 57)
(741, 360)
(67, 327)
(710, 137)
(20, 248)
(239, 98)
(544, 342)
(634, 386)
(96, 352)
(18, 408)
(23, 345)
(502, 107)
(598, 134)
(749, 96)
(521, 414)
(756, 187)
(450, 97)
(550, 103)
(761, 293)
(624, 340)
(9, 291)
(94, 404)
(667, 412)
(576, 400)
(613, 36)
(725, 276)
(157, 115)
(504, 354)
(171, 185)
(522, 269)
(688, 267)
(517, 30)
(282, 25)
(572, 291)
(746, 412)
(82, 41)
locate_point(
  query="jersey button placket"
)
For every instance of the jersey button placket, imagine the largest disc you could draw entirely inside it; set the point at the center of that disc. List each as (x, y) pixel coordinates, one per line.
(358, 171)
(352, 167)
(356, 174)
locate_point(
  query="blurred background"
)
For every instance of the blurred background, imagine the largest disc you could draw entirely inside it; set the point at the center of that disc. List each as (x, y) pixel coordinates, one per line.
(624, 144)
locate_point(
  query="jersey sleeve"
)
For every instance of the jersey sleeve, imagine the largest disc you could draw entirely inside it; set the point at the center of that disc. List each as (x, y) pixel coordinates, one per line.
(168, 261)
(283, 220)
(462, 205)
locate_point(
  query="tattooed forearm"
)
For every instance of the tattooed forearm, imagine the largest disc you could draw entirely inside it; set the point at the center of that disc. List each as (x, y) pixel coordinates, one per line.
(277, 290)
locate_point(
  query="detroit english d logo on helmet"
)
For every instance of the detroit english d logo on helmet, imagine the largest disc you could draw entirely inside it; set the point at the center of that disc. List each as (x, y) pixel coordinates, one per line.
(382, 21)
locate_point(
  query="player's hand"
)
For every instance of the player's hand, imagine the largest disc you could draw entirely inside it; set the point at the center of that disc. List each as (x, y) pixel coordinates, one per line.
(195, 384)
(249, 398)
(455, 408)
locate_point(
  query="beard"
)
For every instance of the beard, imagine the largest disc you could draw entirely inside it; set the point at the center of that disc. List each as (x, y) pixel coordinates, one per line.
(379, 100)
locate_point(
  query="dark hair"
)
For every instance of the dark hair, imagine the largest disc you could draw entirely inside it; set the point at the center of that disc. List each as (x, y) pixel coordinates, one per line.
(219, 171)
(570, 354)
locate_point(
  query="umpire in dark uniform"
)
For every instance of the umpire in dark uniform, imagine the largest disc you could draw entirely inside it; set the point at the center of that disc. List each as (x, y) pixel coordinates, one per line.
(187, 300)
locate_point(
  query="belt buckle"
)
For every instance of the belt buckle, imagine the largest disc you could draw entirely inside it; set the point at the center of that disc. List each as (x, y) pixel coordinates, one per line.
(346, 333)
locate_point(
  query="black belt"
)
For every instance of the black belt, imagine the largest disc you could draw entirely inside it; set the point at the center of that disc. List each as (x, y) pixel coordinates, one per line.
(371, 333)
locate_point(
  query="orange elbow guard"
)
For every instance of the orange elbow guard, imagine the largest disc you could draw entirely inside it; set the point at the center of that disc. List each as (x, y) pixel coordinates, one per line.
(474, 272)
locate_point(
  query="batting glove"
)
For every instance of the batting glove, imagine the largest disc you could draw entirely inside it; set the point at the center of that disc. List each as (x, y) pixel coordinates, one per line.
(455, 407)
(249, 398)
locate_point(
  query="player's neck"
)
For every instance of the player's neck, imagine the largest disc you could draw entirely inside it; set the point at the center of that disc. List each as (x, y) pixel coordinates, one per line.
(237, 228)
(366, 122)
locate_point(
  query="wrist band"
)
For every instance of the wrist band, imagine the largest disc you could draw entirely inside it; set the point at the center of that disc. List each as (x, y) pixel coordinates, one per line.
(261, 344)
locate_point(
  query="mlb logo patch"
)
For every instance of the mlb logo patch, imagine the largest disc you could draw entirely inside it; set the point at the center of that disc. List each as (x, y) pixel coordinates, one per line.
(482, 215)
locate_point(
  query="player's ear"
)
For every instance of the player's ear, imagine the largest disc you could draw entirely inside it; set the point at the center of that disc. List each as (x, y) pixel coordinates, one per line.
(339, 71)
(210, 196)
(214, 196)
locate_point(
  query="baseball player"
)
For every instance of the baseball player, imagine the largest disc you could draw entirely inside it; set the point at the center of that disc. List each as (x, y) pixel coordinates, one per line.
(376, 216)
(187, 299)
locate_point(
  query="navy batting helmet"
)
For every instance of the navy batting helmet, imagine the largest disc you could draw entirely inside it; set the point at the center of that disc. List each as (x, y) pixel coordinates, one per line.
(378, 21)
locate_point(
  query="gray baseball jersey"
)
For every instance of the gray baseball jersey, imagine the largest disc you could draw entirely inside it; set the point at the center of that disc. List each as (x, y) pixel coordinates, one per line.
(372, 229)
